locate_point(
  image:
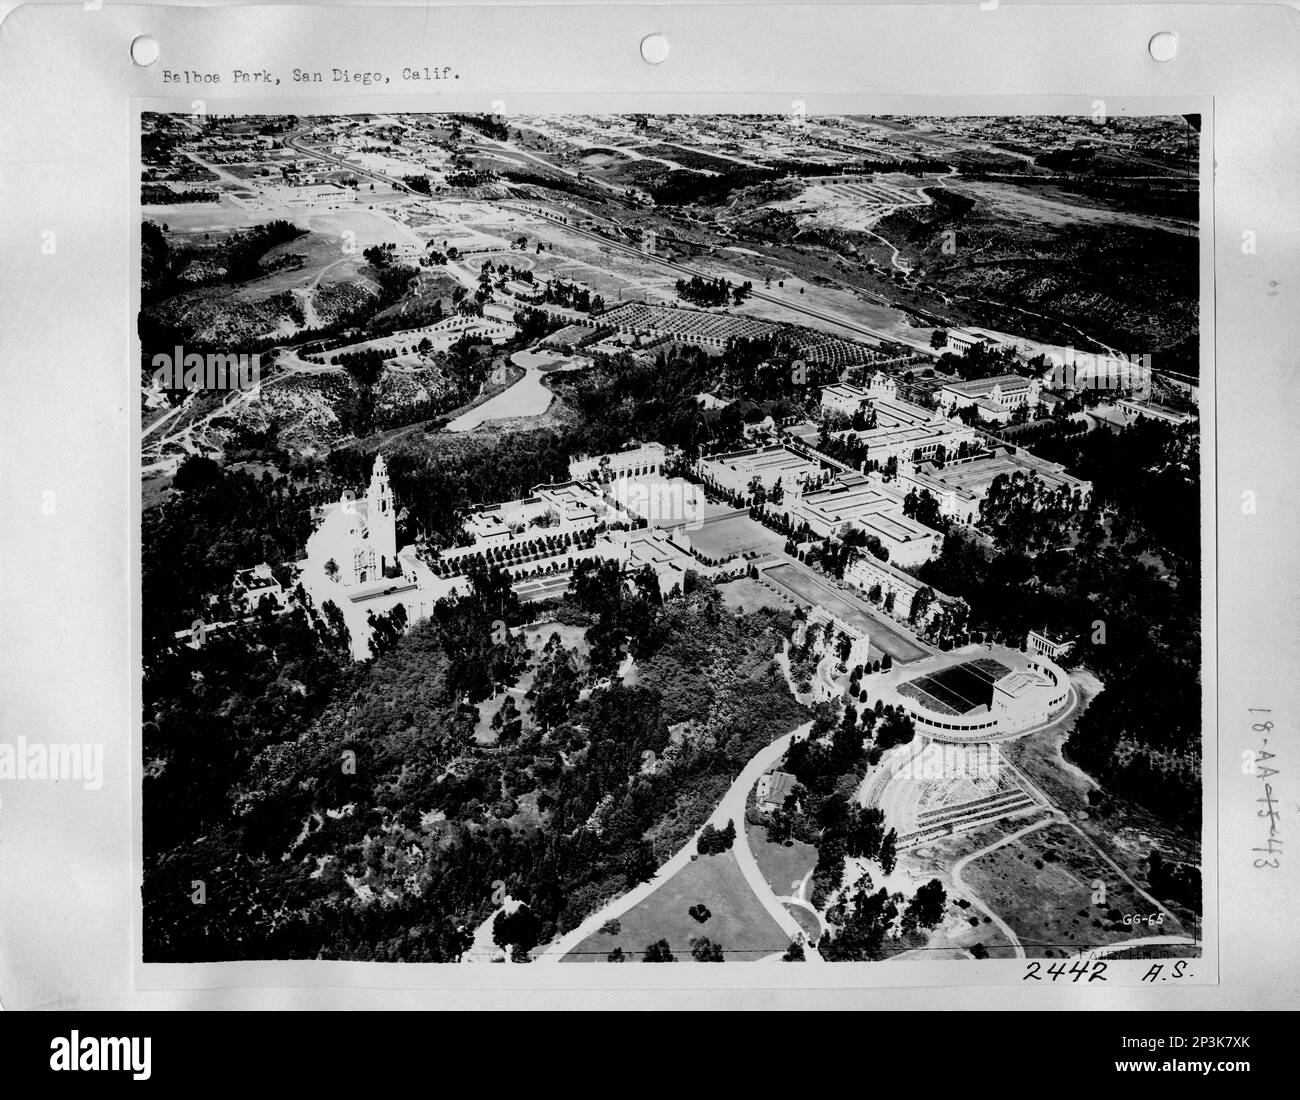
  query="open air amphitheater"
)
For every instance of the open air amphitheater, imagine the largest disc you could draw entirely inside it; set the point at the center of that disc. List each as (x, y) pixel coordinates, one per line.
(984, 699)
(941, 790)
(954, 777)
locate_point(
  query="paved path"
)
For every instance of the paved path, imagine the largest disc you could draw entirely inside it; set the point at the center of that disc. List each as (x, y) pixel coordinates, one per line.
(731, 808)
(1122, 873)
(484, 949)
(294, 141)
(734, 805)
(790, 899)
(960, 886)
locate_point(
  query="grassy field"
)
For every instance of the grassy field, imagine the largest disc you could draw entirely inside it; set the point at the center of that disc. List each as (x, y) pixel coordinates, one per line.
(812, 929)
(1044, 885)
(734, 535)
(1018, 204)
(737, 921)
(1123, 830)
(747, 595)
(963, 927)
(783, 866)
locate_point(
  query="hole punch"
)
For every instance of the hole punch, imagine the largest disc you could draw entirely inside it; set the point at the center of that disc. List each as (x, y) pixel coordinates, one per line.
(144, 50)
(654, 49)
(1163, 46)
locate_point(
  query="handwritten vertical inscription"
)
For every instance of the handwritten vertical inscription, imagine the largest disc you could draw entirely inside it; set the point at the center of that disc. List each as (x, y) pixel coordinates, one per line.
(1262, 765)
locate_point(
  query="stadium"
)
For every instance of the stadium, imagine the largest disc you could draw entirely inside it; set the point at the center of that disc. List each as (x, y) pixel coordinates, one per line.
(986, 699)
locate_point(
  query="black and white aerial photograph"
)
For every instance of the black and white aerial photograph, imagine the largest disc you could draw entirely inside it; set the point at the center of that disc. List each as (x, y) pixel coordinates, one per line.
(654, 538)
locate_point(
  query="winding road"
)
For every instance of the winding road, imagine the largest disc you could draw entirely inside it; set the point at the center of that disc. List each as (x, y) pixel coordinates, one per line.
(731, 808)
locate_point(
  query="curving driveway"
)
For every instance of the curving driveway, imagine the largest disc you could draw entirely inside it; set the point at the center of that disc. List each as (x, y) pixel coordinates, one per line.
(731, 808)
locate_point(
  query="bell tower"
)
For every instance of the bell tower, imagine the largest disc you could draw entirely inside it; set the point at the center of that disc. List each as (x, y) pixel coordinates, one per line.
(381, 518)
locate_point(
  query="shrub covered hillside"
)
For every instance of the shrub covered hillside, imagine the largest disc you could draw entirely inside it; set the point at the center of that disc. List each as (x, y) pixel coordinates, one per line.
(379, 828)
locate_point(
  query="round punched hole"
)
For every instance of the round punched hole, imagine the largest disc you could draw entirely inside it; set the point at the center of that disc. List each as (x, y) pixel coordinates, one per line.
(144, 50)
(654, 49)
(1163, 46)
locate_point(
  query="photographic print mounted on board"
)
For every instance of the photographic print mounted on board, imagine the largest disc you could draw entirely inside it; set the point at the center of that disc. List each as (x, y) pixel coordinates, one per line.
(623, 538)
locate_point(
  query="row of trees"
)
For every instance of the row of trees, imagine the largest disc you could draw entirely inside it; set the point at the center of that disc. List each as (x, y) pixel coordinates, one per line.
(703, 949)
(519, 552)
(823, 811)
(168, 268)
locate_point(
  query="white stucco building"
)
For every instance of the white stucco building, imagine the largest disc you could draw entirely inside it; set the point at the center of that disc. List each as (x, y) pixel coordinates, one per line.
(994, 398)
(355, 541)
(648, 458)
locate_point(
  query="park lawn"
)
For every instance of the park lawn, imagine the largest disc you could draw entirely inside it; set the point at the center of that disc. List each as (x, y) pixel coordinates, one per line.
(737, 921)
(784, 867)
(747, 595)
(806, 920)
(721, 538)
